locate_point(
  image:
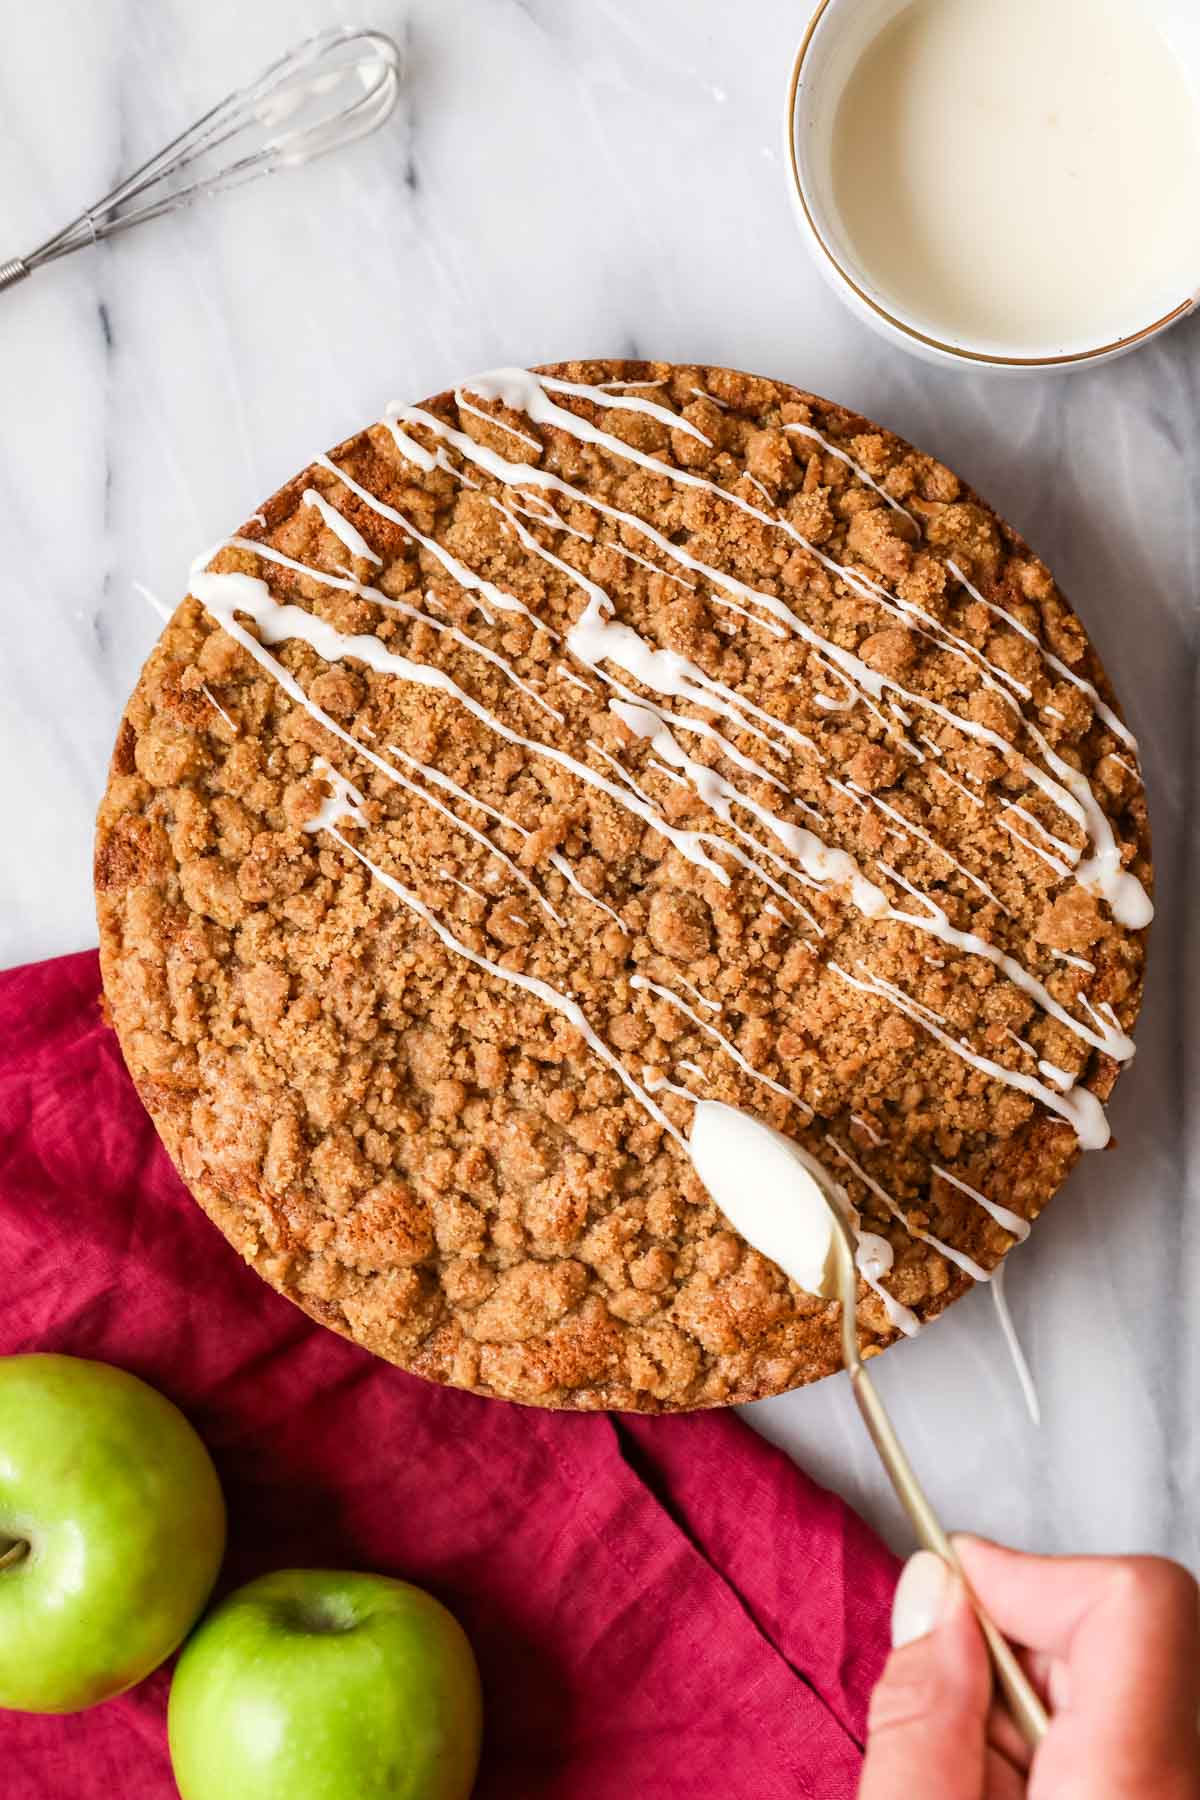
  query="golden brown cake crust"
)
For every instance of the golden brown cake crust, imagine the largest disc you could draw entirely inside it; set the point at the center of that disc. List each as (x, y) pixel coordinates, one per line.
(434, 1160)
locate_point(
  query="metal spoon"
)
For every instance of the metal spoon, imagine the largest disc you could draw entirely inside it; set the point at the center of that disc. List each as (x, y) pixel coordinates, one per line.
(1026, 1708)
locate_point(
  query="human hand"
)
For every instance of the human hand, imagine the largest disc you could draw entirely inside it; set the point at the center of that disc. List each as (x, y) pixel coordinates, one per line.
(1112, 1645)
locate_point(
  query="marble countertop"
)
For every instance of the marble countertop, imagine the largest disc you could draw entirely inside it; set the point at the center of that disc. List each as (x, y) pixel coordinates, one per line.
(587, 177)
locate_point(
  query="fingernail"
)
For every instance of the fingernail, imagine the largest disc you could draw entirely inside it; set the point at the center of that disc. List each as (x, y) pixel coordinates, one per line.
(920, 1599)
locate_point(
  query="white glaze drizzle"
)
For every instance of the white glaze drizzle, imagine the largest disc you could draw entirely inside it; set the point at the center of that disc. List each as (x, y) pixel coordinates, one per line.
(637, 652)
(1125, 894)
(1076, 962)
(597, 595)
(800, 1242)
(1012, 1222)
(713, 1006)
(163, 612)
(827, 703)
(466, 578)
(529, 984)
(697, 728)
(1109, 1038)
(344, 801)
(377, 598)
(656, 1084)
(442, 780)
(844, 787)
(575, 680)
(744, 612)
(224, 594)
(1013, 1342)
(522, 391)
(621, 386)
(621, 771)
(464, 405)
(1104, 1016)
(538, 508)
(1072, 793)
(623, 550)
(1047, 856)
(217, 707)
(918, 831)
(601, 397)
(597, 637)
(819, 862)
(731, 1050)
(464, 886)
(1105, 712)
(874, 1259)
(460, 475)
(1068, 851)
(279, 622)
(959, 786)
(867, 480)
(559, 862)
(1080, 1109)
(959, 1257)
(757, 485)
(866, 1127)
(340, 526)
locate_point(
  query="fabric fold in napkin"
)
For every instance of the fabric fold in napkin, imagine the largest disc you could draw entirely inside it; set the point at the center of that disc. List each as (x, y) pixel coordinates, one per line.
(662, 1608)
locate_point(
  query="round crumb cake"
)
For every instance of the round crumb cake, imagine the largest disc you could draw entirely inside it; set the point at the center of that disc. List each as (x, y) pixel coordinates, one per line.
(575, 745)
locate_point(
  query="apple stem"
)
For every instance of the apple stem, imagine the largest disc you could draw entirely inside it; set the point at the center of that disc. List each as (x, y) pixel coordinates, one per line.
(13, 1553)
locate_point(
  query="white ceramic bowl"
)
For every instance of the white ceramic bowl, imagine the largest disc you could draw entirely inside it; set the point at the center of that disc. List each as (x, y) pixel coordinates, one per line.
(838, 33)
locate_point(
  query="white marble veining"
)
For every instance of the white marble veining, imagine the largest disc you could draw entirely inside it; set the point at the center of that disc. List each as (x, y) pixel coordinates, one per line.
(579, 177)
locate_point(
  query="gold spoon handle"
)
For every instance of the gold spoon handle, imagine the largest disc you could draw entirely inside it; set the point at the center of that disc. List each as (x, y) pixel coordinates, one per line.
(1024, 1704)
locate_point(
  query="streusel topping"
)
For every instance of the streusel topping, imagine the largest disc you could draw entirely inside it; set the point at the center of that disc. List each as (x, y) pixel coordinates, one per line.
(576, 744)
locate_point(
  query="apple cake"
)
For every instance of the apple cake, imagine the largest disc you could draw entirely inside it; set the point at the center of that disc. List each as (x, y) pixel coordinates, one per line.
(574, 745)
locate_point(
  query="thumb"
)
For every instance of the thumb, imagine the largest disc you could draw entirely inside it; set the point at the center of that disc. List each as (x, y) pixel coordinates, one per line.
(927, 1729)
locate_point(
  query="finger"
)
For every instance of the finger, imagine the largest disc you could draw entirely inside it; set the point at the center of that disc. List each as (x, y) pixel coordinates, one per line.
(1005, 1738)
(1001, 1780)
(1048, 1676)
(1122, 1635)
(1040, 1601)
(926, 1730)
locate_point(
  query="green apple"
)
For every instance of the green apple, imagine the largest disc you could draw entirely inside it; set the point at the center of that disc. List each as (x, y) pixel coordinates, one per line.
(310, 1684)
(112, 1528)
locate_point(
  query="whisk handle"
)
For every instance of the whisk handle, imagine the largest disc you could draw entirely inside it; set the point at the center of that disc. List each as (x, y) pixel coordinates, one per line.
(13, 271)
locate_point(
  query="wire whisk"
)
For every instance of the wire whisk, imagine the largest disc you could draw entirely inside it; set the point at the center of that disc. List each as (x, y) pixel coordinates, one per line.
(328, 91)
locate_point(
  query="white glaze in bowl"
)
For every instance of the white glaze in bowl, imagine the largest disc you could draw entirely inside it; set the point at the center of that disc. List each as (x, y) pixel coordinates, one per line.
(838, 34)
